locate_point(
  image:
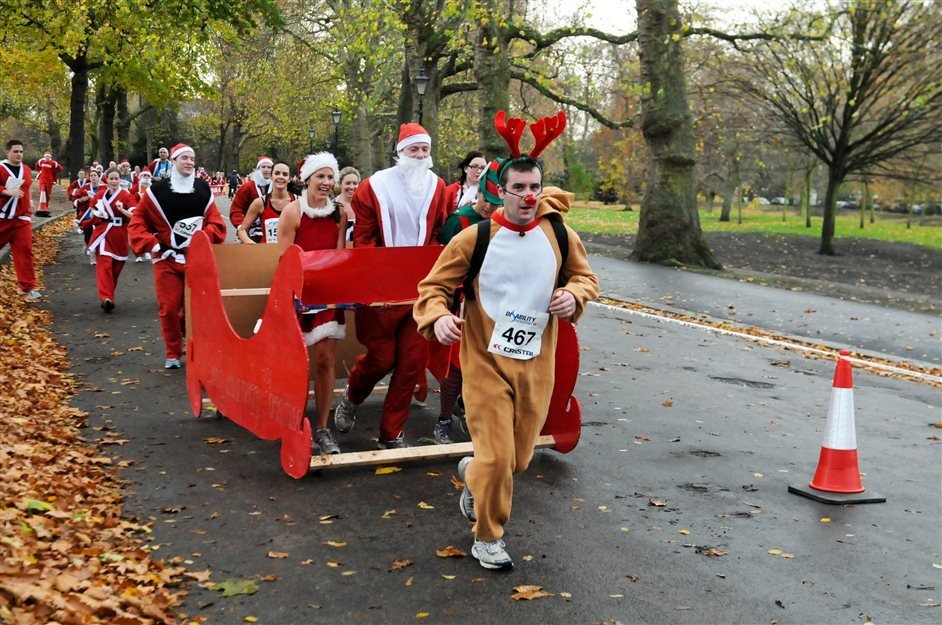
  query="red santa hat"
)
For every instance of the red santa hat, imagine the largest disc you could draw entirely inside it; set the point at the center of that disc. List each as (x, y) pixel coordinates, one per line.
(412, 133)
(314, 162)
(264, 160)
(181, 148)
(145, 173)
(125, 162)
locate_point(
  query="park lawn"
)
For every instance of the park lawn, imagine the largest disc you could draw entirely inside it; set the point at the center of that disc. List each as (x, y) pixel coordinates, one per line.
(593, 217)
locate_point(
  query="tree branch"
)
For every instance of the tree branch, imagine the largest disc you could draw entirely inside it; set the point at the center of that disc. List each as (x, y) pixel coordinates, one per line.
(557, 97)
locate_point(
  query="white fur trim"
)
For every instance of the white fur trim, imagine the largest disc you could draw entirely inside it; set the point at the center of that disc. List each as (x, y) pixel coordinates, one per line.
(185, 149)
(322, 211)
(314, 162)
(413, 139)
(329, 330)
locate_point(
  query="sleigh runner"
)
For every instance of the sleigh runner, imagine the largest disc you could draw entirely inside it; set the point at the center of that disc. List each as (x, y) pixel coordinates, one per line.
(246, 352)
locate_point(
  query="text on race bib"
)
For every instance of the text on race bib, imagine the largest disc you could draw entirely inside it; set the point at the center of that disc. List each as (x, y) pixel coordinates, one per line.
(184, 229)
(518, 334)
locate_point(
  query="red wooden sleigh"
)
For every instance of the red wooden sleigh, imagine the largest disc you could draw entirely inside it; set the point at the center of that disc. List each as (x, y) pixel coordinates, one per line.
(260, 379)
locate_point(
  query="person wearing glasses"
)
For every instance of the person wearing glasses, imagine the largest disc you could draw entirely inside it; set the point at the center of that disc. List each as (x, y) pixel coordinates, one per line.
(465, 191)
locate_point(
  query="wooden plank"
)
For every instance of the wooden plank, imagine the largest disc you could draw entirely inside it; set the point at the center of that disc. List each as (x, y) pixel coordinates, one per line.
(238, 292)
(409, 454)
(379, 388)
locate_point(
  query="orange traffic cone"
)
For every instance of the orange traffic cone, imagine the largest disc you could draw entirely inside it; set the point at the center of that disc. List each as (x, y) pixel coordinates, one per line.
(837, 479)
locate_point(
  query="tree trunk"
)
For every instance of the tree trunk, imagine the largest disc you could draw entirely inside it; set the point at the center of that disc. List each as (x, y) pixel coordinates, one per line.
(221, 152)
(237, 145)
(806, 196)
(729, 190)
(105, 101)
(492, 73)
(76, 154)
(669, 228)
(55, 135)
(830, 210)
(123, 122)
(362, 144)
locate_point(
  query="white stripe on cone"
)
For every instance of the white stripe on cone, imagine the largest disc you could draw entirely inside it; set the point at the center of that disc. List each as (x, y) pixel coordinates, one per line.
(841, 432)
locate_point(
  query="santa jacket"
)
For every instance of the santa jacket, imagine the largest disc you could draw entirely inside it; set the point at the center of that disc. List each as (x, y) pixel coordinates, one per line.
(11, 207)
(368, 228)
(48, 170)
(247, 193)
(169, 219)
(110, 234)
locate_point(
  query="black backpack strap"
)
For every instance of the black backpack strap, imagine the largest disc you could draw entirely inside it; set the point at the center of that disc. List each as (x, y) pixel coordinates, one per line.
(477, 257)
(562, 240)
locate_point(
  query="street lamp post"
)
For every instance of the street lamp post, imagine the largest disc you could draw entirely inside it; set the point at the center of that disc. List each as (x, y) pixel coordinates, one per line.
(310, 142)
(421, 86)
(336, 115)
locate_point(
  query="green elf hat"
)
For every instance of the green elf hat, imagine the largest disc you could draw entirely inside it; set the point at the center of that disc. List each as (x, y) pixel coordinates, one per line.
(545, 131)
(490, 181)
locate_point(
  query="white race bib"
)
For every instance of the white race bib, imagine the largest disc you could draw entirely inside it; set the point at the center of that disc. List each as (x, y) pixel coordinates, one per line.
(271, 230)
(518, 334)
(184, 230)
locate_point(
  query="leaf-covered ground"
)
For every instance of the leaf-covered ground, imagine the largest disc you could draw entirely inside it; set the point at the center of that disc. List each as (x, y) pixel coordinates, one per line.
(66, 553)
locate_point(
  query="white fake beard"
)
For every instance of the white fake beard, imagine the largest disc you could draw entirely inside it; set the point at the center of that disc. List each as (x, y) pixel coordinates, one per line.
(180, 183)
(259, 179)
(416, 172)
(144, 184)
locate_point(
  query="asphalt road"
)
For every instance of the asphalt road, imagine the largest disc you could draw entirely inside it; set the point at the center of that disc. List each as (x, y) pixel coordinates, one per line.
(689, 443)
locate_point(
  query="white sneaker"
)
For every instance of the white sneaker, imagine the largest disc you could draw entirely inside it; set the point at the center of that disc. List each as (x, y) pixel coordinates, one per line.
(34, 294)
(147, 256)
(172, 363)
(492, 555)
(466, 500)
(139, 259)
(345, 414)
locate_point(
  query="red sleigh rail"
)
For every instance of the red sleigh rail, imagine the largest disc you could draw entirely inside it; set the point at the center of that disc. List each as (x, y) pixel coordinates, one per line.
(260, 380)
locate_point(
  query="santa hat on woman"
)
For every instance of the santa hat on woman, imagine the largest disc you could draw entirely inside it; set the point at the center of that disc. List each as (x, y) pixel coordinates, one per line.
(320, 160)
(412, 133)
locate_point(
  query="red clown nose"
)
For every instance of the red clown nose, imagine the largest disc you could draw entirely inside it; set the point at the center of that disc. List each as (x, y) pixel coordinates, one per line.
(529, 200)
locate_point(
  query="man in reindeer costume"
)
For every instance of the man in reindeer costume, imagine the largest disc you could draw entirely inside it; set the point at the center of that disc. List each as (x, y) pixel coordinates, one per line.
(532, 272)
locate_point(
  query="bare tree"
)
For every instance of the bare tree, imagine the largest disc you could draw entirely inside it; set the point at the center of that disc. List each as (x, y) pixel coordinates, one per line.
(863, 95)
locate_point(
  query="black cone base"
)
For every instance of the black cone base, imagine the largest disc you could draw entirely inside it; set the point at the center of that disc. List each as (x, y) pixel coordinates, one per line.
(835, 498)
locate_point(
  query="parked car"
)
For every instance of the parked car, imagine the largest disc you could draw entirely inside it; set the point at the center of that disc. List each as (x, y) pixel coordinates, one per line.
(761, 200)
(778, 201)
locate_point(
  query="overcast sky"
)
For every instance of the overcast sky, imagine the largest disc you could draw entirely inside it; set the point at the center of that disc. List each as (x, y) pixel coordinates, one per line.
(618, 16)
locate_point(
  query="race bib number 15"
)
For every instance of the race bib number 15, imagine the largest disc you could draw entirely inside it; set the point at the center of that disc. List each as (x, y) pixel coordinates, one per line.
(517, 333)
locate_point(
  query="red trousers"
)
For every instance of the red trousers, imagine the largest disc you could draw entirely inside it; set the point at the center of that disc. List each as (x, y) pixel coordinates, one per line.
(392, 344)
(45, 192)
(169, 280)
(18, 234)
(107, 270)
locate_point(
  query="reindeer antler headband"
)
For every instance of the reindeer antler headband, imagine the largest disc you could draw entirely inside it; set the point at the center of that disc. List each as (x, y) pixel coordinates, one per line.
(545, 131)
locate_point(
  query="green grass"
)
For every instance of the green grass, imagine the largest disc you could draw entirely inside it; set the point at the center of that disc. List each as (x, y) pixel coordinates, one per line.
(927, 231)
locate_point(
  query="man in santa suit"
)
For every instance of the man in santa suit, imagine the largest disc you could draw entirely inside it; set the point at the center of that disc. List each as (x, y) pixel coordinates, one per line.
(48, 175)
(258, 185)
(396, 207)
(168, 215)
(161, 166)
(16, 229)
(127, 176)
